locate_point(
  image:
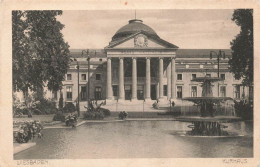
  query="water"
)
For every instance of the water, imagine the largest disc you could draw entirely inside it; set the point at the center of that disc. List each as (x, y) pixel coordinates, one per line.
(138, 139)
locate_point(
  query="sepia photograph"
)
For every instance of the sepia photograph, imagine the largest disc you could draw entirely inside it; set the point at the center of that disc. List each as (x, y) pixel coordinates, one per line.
(132, 84)
(127, 83)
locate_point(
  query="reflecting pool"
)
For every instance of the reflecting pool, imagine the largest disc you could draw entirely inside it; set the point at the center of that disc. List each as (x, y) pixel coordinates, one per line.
(139, 139)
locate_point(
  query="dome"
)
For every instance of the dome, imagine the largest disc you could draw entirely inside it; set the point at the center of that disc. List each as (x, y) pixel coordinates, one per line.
(134, 26)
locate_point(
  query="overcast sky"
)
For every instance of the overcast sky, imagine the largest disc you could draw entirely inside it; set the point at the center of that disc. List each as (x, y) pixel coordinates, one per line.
(189, 29)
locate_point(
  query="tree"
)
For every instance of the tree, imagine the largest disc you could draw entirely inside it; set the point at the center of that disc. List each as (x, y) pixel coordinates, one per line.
(40, 55)
(241, 64)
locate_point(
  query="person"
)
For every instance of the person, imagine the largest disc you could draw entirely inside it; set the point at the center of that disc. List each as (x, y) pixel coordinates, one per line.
(173, 103)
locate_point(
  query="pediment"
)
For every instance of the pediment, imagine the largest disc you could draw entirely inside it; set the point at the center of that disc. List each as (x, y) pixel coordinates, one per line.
(133, 43)
(141, 40)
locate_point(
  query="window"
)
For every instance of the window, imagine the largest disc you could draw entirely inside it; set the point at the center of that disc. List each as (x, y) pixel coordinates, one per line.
(222, 91)
(115, 90)
(165, 90)
(237, 91)
(179, 77)
(98, 76)
(222, 76)
(69, 92)
(69, 77)
(83, 93)
(208, 75)
(54, 95)
(194, 91)
(98, 93)
(193, 76)
(179, 91)
(83, 77)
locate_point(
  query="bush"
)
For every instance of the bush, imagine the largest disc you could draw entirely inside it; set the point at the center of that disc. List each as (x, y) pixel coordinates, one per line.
(93, 115)
(122, 115)
(106, 112)
(59, 117)
(244, 109)
(69, 107)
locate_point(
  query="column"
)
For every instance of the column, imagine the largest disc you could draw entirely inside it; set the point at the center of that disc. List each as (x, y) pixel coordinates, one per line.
(134, 79)
(169, 81)
(109, 79)
(148, 80)
(121, 79)
(173, 80)
(160, 78)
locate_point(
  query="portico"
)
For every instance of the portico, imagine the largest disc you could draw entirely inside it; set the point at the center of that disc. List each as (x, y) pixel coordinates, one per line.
(137, 61)
(140, 85)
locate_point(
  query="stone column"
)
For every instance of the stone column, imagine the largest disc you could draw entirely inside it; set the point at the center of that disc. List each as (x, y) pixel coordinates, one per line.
(121, 79)
(169, 81)
(134, 79)
(160, 78)
(109, 79)
(148, 80)
(173, 79)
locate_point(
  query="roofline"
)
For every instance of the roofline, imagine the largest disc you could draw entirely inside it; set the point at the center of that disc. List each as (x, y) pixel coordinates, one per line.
(163, 42)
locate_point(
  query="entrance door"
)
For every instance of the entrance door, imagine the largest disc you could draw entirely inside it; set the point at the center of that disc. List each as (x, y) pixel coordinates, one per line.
(140, 92)
(128, 92)
(98, 93)
(153, 92)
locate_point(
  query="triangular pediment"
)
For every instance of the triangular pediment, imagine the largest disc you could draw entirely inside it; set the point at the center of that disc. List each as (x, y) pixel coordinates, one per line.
(140, 40)
(131, 43)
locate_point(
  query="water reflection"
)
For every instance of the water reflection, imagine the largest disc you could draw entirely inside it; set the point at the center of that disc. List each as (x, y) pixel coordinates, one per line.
(138, 139)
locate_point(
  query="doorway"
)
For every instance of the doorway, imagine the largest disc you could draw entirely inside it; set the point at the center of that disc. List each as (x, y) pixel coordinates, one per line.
(140, 92)
(153, 92)
(128, 92)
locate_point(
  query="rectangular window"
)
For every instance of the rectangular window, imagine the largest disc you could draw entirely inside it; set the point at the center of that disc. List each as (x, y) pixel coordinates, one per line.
(83, 93)
(208, 75)
(193, 76)
(165, 90)
(69, 92)
(222, 91)
(237, 91)
(179, 91)
(115, 90)
(98, 76)
(98, 93)
(54, 95)
(69, 77)
(83, 77)
(222, 76)
(179, 77)
(194, 91)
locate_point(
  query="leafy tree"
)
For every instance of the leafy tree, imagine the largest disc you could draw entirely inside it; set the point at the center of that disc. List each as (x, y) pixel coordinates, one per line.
(40, 55)
(242, 47)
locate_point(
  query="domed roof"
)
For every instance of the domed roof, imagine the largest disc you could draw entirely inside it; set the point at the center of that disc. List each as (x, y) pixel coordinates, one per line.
(133, 27)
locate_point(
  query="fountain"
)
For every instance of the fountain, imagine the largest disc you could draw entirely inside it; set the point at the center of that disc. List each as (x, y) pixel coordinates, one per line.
(207, 124)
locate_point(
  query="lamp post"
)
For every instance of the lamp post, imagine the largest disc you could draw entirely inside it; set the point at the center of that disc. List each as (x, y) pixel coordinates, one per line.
(220, 54)
(88, 59)
(78, 84)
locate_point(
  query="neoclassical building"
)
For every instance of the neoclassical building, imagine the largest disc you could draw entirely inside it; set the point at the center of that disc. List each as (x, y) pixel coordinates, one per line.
(139, 65)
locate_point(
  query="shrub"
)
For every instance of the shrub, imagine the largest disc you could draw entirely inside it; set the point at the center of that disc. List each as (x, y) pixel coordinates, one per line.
(59, 117)
(69, 107)
(106, 112)
(122, 115)
(93, 115)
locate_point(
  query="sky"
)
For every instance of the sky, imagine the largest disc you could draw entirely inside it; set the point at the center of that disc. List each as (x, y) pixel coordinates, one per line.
(188, 29)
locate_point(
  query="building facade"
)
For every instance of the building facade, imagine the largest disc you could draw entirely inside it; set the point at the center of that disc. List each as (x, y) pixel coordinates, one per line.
(139, 65)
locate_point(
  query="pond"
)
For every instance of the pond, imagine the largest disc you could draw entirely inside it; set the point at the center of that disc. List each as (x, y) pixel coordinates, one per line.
(139, 139)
